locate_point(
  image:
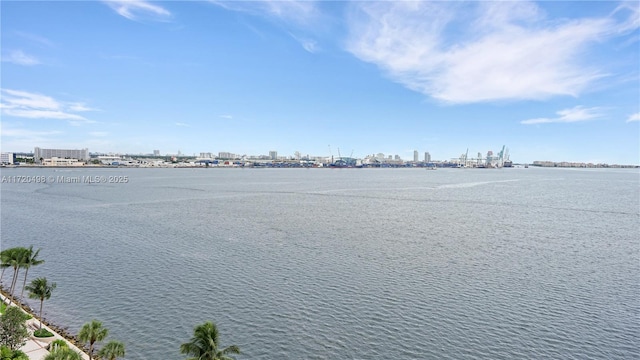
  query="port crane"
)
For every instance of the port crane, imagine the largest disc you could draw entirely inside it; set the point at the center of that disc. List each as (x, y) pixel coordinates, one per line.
(491, 160)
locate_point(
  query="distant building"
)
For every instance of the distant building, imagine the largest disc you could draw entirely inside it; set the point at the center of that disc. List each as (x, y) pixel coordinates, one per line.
(227, 155)
(44, 154)
(206, 155)
(7, 158)
(415, 156)
(55, 161)
(156, 152)
(273, 155)
(427, 157)
(23, 157)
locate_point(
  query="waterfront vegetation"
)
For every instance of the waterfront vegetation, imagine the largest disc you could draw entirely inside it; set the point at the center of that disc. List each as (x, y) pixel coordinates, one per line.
(8, 354)
(204, 345)
(18, 258)
(59, 350)
(111, 350)
(91, 333)
(42, 333)
(63, 354)
(30, 259)
(13, 330)
(40, 289)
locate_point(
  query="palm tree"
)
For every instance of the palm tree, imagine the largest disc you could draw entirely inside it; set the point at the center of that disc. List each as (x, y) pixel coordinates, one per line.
(4, 262)
(63, 354)
(92, 332)
(14, 258)
(112, 350)
(30, 260)
(204, 344)
(40, 289)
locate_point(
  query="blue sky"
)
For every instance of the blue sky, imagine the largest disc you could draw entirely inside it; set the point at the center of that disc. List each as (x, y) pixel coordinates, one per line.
(550, 80)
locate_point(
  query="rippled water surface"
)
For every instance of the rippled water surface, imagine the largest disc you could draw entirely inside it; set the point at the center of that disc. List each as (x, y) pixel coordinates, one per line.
(350, 264)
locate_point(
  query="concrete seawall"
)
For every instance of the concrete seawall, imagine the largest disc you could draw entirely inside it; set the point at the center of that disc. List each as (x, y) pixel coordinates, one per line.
(35, 348)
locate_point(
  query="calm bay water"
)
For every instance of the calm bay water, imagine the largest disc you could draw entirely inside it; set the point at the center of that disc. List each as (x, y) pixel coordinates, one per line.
(353, 263)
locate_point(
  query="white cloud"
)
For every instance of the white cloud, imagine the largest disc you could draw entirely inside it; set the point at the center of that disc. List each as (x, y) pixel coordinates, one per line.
(299, 12)
(309, 45)
(79, 107)
(28, 105)
(182, 124)
(226, 117)
(479, 51)
(634, 117)
(20, 58)
(628, 23)
(575, 114)
(23, 99)
(134, 9)
(42, 114)
(301, 15)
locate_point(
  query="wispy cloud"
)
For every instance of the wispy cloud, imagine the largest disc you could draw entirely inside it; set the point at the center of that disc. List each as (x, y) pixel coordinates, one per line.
(20, 58)
(226, 116)
(575, 114)
(137, 9)
(18, 138)
(35, 38)
(24, 139)
(479, 51)
(25, 133)
(28, 105)
(292, 11)
(309, 45)
(301, 15)
(634, 117)
(79, 107)
(182, 124)
(98, 133)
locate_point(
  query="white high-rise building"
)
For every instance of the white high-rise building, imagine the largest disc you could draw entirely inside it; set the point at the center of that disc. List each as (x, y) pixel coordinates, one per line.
(427, 157)
(415, 155)
(43, 154)
(273, 155)
(7, 158)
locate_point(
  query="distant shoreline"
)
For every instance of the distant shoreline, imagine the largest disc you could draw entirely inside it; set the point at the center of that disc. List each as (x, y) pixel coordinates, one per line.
(181, 166)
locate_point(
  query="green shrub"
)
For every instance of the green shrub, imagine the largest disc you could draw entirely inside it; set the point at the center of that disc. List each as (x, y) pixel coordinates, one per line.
(57, 345)
(42, 333)
(8, 354)
(13, 331)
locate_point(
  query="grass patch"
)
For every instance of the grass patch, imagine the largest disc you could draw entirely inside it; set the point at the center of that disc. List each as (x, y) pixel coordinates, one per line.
(42, 333)
(3, 307)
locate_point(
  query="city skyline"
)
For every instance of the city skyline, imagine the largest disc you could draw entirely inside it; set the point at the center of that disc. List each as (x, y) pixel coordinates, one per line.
(554, 81)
